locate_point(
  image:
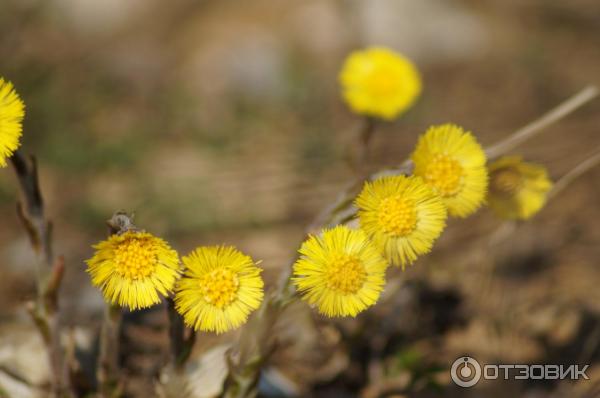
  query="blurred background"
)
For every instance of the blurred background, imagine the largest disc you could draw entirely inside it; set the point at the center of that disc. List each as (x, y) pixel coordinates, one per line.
(221, 122)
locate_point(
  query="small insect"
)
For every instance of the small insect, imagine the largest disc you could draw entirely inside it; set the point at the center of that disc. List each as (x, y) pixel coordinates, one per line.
(121, 222)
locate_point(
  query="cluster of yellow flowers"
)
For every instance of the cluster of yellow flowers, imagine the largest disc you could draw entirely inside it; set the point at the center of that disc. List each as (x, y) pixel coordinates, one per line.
(219, 287)
(342, 270)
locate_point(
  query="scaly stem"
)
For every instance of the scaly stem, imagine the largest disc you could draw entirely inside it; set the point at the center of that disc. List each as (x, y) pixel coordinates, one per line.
(49, 270)
(108, 357)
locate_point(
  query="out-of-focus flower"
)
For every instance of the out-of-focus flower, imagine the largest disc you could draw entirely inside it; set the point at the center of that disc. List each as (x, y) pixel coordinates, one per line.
(340, 271)
(453, 163)
(12, 111)
(220, 287)
(402, 215)
(134, 269)
(517, 189)
(379, 82)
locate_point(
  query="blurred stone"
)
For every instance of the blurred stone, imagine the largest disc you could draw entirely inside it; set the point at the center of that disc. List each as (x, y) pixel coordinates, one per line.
(23, 352)
(249, 63)
(99, 17)
(207, 373)
(275, 384)
(431, 31)
(18, 256)
(15, 388)
(319, 26)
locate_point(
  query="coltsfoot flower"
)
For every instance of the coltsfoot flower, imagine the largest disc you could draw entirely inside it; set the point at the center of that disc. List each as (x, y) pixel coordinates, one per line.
(517, 189)
(379, 82)
(12, 111)
(402, 215)
(340, 271)
(134, 269)
(453, 163)
(220, 287)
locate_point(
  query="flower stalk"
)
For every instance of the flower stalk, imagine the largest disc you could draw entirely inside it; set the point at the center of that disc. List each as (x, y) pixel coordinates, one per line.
(44, 311)
(107, 367)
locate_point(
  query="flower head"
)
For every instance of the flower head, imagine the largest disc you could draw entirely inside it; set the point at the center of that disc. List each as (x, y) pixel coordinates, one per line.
(340, 271)
(517, 189)
(134, 269)
(379, 82)
(12, 111)
(402, 215)
(453, 163)
(221, 286)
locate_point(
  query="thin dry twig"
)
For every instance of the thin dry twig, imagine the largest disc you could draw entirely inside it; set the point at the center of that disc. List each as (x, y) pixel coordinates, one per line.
(537, 126)
(574, 173)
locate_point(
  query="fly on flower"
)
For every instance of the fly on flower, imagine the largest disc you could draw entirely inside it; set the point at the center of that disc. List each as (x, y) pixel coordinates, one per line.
(340, 271)
(518, 189)
(379, 82)
(402, 215)
(451, 161)
(220, 287)
(134, 269)
(12, 111)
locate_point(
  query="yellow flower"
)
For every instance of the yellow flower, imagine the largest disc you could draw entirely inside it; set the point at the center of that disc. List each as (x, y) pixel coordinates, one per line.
(12, 111)
(133, 268)
(517, 189)
(453, 163)
(220, 288)
(379, 82)
(341, 272)
(402, 215)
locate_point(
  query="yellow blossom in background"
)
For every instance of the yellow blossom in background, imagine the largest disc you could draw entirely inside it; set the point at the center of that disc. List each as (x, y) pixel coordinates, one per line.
(340, 271)
(221, 286)
(453, 163)
(379, 82)
(517, 189)
(134, 269)
(402, 215)
(12, 111)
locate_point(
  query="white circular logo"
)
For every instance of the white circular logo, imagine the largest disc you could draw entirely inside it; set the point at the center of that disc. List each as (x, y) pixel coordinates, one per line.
(465, 372)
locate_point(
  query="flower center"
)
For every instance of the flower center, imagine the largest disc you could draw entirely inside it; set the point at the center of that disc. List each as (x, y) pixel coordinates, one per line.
(505, 181)
(346, 274)
(397, 216)
(381, 82)
(219, 287)
(445, 174)
(135, 259)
